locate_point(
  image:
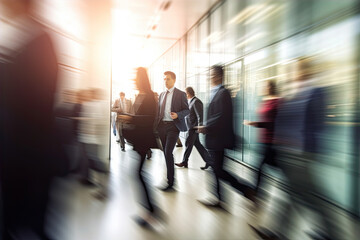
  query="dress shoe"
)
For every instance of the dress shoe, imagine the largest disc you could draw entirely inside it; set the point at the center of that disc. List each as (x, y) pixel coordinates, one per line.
(123, 149)
(168, 188)
(318, 236)
(87, 182)
(205, 167)
(250, 194)
(118, 141)
(182, 164)
(210, 203)
(179, 145)
(266, 234)
(142, 222)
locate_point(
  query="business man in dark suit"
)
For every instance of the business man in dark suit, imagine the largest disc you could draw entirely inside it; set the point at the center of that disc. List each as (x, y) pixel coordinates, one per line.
(28, 70)
(220, 135)
(195, 118)
(173, 107)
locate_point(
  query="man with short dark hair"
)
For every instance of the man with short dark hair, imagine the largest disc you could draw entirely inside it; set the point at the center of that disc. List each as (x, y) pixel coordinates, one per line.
(173, 107)
(195, 118)
(220, 135)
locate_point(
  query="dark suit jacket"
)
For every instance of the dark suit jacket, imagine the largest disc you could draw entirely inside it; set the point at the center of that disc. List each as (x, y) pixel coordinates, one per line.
(143, 136)
(28, 83)
(300, 121)
(219, 124)
(195, 118)
(179, 105)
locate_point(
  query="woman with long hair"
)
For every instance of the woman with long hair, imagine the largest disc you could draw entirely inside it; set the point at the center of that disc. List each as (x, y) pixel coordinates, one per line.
(141, 135)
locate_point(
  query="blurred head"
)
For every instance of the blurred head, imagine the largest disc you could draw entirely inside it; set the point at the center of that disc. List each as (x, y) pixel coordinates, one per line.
(84, 95)
(69, 96)
(305, 68)
(13, 8)
(169, 79)
(122, 95)
(271, 89)
(142, 81)
(96, 94)
(190, 93)
(216, 75)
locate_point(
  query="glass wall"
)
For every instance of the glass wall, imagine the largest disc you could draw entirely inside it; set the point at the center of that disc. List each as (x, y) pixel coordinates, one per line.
(261, 40)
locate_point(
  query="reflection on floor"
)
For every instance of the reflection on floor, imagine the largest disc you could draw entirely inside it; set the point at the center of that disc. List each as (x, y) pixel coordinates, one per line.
(80, 216)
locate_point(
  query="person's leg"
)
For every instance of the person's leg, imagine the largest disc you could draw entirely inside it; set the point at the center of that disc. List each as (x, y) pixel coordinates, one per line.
(266, 155)
(172, 134)
(121, 137)
(145, 193)
(189, 143)
(217, 164)
(117, 123)
(239, 184)
(202, 151)
(84, 162)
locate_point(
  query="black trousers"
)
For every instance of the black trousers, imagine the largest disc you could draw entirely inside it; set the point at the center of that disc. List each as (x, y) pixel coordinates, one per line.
(220, 174)
(119, 127)
(145, 194)
(268, 158)
(191, 141)
(169, 133)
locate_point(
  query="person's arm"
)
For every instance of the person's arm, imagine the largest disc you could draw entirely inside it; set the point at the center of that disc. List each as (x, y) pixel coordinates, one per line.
(184, 108)
(115, 107)
(198, 107)
(259, 124)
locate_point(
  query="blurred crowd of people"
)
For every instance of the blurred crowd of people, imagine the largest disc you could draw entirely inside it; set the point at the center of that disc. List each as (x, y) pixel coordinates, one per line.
(70, 139)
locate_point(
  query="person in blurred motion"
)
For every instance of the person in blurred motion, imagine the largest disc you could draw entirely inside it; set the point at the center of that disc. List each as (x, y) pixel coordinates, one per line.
(142, 136)
(267, 113)
(92, 126)
(156, 95)
(121, 106)
(298, 128)
(173, 107)
(195, 118)
(219, 135)
(28, 70)
(66, 112)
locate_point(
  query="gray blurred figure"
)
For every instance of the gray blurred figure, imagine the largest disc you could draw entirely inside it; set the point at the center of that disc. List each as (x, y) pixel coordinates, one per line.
(121, 106)
(195, 118)
(66, 113)
(28, 146)
(298, 130)
(92, 128)
(219, 135)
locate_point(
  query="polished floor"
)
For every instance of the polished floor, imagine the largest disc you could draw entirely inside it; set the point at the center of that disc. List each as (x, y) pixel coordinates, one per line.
(78, 215)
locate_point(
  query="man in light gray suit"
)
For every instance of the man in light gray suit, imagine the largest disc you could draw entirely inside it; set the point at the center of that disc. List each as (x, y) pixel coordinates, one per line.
(121, 106)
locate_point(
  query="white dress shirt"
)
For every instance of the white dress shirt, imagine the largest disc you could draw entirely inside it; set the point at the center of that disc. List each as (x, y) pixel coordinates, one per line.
(168, 104)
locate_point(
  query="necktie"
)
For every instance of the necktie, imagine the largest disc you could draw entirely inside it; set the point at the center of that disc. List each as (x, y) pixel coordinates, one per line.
(162, 110)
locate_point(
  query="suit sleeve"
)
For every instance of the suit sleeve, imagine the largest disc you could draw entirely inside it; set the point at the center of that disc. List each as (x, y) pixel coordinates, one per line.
(115, 106)
(198, 107)
(184, 107)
